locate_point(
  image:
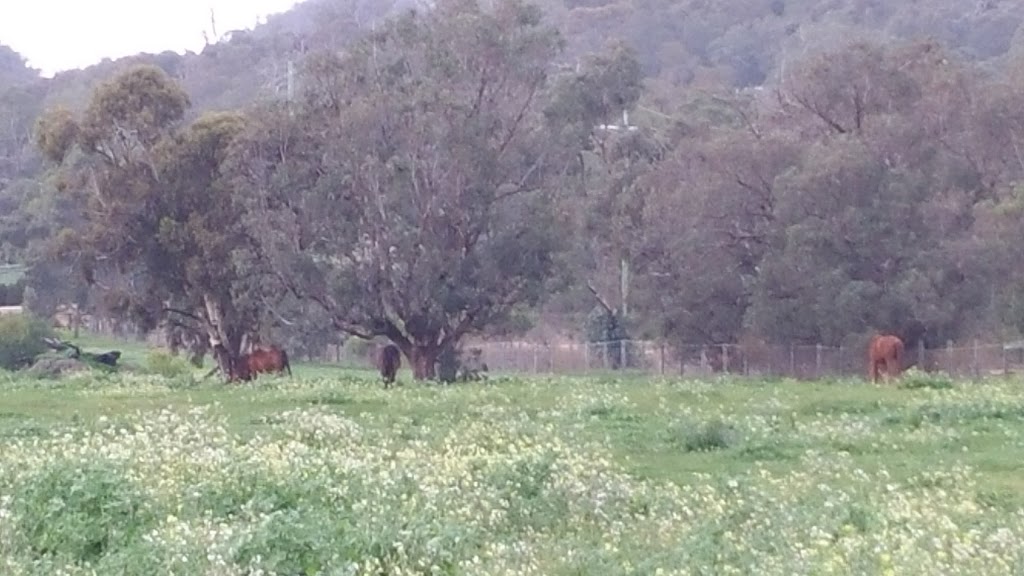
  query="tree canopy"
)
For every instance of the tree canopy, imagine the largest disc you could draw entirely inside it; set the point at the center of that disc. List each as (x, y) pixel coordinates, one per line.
(698, 172)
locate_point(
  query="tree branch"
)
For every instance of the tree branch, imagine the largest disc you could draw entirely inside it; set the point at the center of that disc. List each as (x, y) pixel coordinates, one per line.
(167, 310)
(600, 300)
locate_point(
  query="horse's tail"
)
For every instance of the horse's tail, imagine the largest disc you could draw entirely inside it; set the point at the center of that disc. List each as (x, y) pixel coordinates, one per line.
(284, 362)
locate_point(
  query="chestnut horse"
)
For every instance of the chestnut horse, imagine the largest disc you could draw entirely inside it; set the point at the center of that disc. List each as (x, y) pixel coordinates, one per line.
(887, 350)
(389, 359)
(268, 359)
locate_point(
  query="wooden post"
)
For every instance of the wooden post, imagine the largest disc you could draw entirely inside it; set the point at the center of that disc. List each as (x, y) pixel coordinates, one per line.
(974, 360)
(586, 357)
(920, 355)
(949, 357)
(1006, 363)
(622, 354)
(605, 354)
(536, 359)
(817, 360)
(792, 360)
(661, 359)
(725, 358)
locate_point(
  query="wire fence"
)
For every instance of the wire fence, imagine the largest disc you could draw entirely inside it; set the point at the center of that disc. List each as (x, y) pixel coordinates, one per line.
(972, 360)
(975, 360)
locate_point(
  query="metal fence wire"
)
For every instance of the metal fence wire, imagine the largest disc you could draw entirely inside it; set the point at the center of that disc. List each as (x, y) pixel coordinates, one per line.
(973, 360)
(765, 360)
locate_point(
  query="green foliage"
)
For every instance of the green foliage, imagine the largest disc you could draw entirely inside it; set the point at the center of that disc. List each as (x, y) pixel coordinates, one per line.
(80, 511)
(707, 436)
(913, 379)
(12, 294)
(143, 102)
(21, 339)
(841, 191)
(609, 329)
(163, 363)
(56, 133)
(467, 244)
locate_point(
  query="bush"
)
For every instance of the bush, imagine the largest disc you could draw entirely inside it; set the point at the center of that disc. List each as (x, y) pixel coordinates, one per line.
(607, 328)
(914, 379)
(12, 294)
(80, 511)
(164, 364)
(710, 436)
(21, 340)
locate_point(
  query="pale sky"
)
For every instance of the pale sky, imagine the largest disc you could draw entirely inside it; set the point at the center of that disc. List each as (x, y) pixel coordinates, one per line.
(55, 35)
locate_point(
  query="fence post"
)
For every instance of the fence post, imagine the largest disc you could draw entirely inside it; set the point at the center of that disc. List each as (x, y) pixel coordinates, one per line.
(841, 362)
(792, 360)
(661, 358)
(1006, 363)
(536, 360)
(817, 360)
(622, 355)
(725, 358)
(586, 357)
(949, 357)
(920, 355)
(974, 360)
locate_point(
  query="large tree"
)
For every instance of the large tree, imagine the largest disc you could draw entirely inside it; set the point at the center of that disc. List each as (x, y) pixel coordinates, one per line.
(160, 229)
(406, 192)
(875, 221)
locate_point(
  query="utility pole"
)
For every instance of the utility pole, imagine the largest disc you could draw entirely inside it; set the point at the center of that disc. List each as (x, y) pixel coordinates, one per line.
(624, 259)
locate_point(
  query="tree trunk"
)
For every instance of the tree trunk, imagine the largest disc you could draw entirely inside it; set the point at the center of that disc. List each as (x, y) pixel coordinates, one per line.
(422, 359)
(225, 340)
(76, 320)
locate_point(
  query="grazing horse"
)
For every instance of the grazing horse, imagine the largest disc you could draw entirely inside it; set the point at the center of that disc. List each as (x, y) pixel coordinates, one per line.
(389, 359)
(268, 359)
(887, 350)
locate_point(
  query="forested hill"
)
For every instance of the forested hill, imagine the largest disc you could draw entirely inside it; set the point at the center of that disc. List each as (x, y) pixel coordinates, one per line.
(678, 42)
(739, 42)
(873, 186)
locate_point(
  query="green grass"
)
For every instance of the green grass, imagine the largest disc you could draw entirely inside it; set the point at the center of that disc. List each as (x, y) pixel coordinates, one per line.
(565, 475)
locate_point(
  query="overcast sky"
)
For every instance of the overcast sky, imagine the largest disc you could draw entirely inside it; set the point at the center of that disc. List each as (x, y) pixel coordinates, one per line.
(55, 35)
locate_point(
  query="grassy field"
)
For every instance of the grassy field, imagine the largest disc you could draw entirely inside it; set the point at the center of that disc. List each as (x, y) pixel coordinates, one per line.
(327, 473)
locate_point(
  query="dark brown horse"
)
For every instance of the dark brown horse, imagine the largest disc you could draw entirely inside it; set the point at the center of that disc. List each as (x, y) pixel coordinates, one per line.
(885, 350)
(389, 360)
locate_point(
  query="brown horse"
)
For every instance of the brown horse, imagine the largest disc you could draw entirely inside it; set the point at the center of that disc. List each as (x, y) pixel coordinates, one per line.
(389, 359)
(265, 359)
(885, 350)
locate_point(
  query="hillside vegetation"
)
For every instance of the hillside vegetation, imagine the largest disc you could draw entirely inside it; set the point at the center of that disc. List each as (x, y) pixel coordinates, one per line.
(801, 171)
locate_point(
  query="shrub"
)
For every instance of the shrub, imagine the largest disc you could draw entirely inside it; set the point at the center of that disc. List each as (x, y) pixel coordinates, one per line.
(713, 435)
(21, 340)
(914, 378)
(80, 511)
(163, 363)
(12, 294)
